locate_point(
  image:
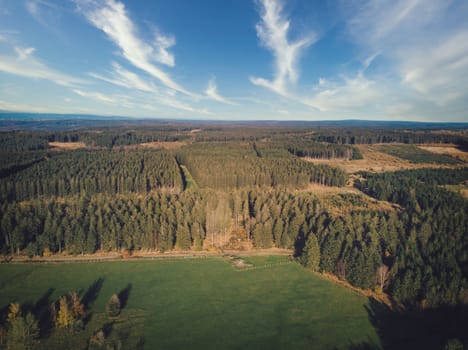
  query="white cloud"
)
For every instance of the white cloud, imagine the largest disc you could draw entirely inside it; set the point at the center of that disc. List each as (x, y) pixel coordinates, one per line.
(387, 23)
(212, 92)
(24, 52)
(97, 96)
(424, 43)
(26, 65)
(125, 78)
(129, 80)
(47, 14)
(441, 71)
(111, 17)
(345, 95)
(273, 31)
(162, 43)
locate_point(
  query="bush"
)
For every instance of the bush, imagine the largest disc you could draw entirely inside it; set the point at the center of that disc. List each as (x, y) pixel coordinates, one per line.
(113, 306)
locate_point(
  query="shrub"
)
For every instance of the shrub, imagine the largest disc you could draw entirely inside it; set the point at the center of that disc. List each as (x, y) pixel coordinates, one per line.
(113, 306)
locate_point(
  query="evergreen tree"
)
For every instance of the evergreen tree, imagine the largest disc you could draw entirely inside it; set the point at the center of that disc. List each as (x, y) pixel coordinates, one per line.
(311, 253)
(113, 306)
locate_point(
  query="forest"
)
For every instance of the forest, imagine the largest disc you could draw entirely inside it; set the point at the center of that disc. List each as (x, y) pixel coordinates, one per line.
(194, 187)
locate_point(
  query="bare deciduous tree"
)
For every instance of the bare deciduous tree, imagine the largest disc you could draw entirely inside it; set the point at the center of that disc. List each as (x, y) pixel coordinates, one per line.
(382, 276)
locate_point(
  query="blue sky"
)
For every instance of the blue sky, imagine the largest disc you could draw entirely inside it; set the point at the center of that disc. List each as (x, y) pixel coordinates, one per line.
(237, 59)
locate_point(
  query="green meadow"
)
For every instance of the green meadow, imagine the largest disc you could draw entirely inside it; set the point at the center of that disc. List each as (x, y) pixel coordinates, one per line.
(205, 303)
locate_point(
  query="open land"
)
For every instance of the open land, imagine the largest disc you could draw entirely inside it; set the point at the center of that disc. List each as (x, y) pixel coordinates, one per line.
(378, 161)
(207, 303)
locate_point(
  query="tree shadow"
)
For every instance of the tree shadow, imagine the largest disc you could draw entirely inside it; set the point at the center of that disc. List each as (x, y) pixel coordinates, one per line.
(370, 345)
(41, 311)
(141, 344)
(124, 295)
(92, 293)
(418, 328)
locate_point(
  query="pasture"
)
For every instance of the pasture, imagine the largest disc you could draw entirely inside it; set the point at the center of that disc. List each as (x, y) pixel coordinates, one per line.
(204, 303)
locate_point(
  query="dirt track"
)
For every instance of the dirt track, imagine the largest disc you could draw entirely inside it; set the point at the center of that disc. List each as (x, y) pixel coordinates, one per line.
(142, 256)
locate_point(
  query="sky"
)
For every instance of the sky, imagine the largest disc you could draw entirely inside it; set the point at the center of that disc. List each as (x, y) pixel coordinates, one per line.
(237, 59)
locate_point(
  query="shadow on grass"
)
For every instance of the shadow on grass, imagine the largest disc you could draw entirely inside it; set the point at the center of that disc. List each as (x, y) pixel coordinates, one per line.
(92, 293)
(363, 346)
(416, 328)
(41, 310)
(124, 295)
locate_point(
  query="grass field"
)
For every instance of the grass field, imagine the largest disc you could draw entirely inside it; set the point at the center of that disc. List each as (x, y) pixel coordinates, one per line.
(206, 303)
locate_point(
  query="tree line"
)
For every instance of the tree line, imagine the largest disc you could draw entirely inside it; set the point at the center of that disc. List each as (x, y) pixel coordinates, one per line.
(92, 172)
(419, 252)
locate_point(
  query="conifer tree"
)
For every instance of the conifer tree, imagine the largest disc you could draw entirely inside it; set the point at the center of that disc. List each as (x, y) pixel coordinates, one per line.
(113, 306)
(311, 253)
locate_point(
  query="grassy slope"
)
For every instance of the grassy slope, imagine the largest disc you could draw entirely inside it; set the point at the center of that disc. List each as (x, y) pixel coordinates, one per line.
(206, 304)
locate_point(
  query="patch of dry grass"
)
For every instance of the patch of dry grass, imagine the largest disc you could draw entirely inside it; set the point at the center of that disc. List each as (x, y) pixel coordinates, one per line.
(66, 146)
(163, 144)
(378, 162)
(450, 150)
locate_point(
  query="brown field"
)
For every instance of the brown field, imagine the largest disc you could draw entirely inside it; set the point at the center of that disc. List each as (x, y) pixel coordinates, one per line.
(377, 161)
(165, 145)
(66, 146)
(450, 150)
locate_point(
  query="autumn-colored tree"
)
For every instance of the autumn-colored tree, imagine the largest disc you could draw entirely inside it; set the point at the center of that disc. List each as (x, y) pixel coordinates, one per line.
(13, 312)
(76, 307)
(22, 331)
(65, 315)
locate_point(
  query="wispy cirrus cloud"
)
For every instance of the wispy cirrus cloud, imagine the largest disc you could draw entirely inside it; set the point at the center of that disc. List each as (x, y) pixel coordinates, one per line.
(48, 14)
(440, 72)
(347, 94)
(95, 96)
(162, 44)
(42, 11)
(273, 30)
(150, 94)
(112, 18)
(122, 77)
(24, 64)
(424, 42)
(212, 92)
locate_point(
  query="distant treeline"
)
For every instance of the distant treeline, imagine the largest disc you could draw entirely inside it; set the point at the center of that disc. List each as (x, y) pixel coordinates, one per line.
(118, 136)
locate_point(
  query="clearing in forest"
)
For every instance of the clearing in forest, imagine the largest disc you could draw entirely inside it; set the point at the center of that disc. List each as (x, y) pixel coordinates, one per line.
(163, 144)
(380, 158)
(66, 146)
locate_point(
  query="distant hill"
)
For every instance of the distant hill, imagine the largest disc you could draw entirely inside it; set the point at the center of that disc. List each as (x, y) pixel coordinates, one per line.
(45, 121)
